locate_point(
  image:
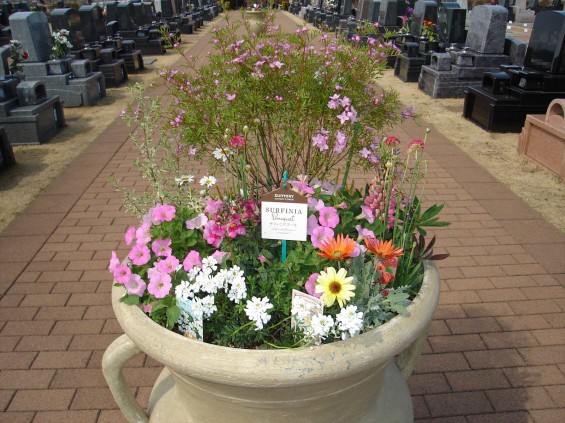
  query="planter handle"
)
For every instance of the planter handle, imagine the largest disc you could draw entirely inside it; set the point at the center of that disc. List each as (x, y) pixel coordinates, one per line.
(117, 354)
(406, 360)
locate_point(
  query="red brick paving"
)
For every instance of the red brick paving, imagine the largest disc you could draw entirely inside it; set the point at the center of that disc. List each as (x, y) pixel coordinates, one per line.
(495, 353)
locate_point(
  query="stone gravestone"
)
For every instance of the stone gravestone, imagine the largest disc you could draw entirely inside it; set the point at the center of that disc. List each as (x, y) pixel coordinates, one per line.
(346, 8)
(375, 10)
(111, 10)
(69, 19)
(451, 21)
(487, 29)
(32, 30)
(545, 52)
(4, 55)
(390, 10)
(450, 74)
(92, 20)
(125, 16)
(424, 10)
(166, 8)
(363, 11)
(506, 97)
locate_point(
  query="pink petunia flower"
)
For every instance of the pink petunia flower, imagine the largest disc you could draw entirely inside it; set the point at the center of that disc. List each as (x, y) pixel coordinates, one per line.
(139, 254)
(192, 259)
(135, 285)
(162, 247)
(114, 262)
(197, 222)
(364, 233)
(168, 265)
(142, 234)
(262, 259)
(302, 187)
(159, 285)
(129, 235)
(311, 224)
(320, 235)
(329, 217)
(148, 308)
(121, 273)
(310, 285)
(220, 256)
(163, 213)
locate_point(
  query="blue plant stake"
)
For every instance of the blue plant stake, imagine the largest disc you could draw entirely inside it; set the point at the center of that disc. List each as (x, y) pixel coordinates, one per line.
(283, 253)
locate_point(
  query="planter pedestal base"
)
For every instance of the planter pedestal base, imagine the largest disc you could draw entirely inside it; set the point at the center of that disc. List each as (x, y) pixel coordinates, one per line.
(392, 405)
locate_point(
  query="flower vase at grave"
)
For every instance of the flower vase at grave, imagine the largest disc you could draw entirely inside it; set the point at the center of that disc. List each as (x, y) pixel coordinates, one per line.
(59, 66)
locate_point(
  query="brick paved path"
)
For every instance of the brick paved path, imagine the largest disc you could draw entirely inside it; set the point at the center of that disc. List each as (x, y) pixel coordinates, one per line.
(496, 351)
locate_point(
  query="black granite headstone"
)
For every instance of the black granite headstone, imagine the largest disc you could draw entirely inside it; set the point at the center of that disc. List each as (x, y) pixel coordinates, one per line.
(126, 13)
(92, 20)
(424, 10)
(390, 10)
(111, 11)
(545, 51)
(451, 22)
(69, 19)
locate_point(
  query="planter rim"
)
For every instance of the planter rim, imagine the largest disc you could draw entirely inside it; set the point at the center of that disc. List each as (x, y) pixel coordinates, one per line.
(232, 365)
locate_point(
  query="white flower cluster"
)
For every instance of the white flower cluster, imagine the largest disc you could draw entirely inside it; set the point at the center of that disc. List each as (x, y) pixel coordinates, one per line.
(203, 280)
(61, 39)
(256, 310)
(348, 323)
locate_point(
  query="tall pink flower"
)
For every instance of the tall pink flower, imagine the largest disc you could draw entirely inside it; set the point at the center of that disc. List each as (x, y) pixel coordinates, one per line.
(213, 234)
(163, 213)
(320, 235)
(159, 284)
(135, 285)
(129, 235)
(114, 262)
(121, 273)
(329, 217)
(213, 206)
(140, 254)
(340, 142)
(192, 259)
(168, 265)
(162, 247)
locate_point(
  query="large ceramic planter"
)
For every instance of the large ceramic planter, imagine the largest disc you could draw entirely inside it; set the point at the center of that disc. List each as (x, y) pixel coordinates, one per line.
(351, 381)
(257, 20)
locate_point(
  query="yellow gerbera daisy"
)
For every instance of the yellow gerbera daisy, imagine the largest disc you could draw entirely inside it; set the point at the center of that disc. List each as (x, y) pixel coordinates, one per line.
(335, 286)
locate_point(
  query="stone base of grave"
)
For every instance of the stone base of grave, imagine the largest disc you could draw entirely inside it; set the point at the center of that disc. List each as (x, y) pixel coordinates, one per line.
(114, 73)
(543, 138)
(34, 124)
(452, 83)
(503, 113)
(408, 68)
(133, 61)
(7, 157)
(75, 89)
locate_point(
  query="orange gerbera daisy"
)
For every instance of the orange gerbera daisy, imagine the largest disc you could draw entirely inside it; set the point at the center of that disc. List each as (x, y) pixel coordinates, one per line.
(338, 248)
(383, 250)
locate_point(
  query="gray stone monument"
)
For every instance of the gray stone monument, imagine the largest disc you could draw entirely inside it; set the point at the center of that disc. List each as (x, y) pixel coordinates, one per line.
(32, 30)
(450, 74)
(76, 86)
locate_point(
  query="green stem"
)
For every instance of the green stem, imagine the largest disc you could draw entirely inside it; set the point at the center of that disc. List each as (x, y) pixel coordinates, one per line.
(350, 156)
